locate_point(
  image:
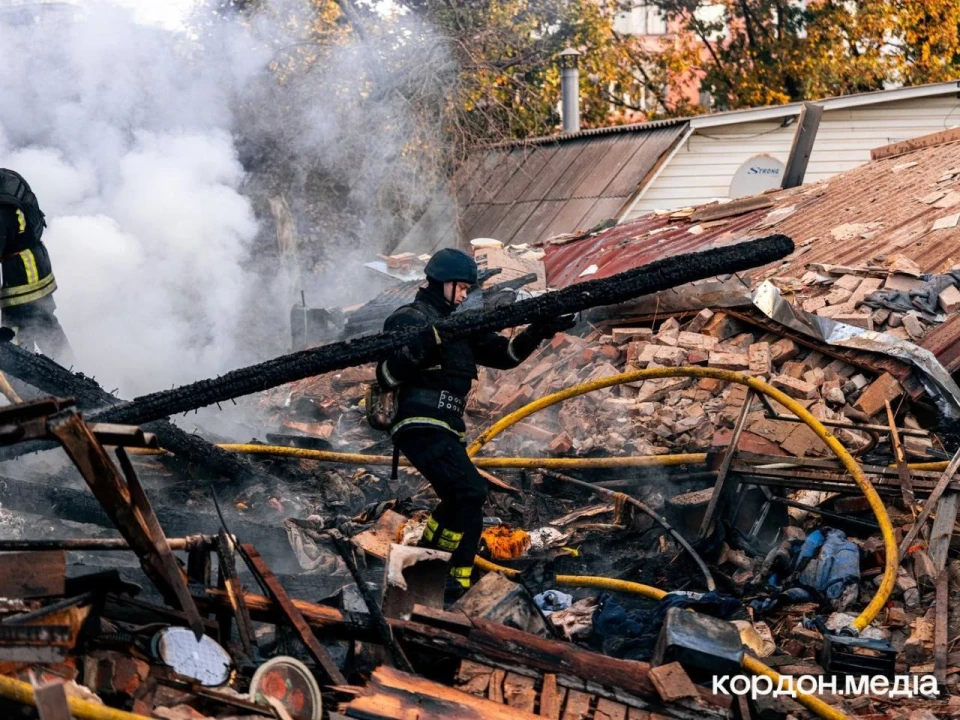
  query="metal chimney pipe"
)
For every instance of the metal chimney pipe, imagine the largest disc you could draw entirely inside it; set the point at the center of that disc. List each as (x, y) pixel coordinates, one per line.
(570, 90)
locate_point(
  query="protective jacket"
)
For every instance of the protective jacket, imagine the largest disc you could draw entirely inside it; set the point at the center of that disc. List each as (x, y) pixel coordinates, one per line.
(27, 272)
(433, 383)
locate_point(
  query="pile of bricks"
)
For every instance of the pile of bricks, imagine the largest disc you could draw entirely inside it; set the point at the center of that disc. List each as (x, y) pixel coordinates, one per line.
(838, 293)
(668, 415)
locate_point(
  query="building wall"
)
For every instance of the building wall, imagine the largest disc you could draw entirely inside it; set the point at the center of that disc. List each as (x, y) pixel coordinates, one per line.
(702, 169)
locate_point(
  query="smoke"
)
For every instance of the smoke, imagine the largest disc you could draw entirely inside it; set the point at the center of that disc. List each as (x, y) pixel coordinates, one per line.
(153, 154)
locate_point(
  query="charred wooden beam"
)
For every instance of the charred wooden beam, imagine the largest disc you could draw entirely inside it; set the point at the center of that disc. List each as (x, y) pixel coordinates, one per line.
(47, 376)
(265, 575)
(659, 275)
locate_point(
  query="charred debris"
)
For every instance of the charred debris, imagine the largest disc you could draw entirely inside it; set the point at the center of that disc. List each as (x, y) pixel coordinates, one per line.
(160, 574)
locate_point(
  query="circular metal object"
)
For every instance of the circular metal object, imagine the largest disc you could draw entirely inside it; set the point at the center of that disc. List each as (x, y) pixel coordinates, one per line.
(288, 681)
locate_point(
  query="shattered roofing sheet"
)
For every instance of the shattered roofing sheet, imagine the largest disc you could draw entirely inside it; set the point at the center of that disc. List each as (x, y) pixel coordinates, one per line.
(528, 193)
(886, 207)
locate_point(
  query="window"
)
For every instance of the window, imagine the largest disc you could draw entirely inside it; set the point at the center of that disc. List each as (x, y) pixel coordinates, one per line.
(640, 18)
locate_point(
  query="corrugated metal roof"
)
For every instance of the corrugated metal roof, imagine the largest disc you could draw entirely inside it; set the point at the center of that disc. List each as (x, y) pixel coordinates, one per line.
(879, 203)
(527, 194)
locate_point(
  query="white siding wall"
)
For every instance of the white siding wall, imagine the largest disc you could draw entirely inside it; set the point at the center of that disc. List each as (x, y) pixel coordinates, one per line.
(702, 169)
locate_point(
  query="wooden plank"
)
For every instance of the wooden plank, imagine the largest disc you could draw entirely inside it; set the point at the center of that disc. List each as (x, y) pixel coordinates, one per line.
(943, 524)
(495, 689)
(718, 489)
(940, 628)
(931, 502)
(907, 146)
(609, 710)
(33, 574)
(577, 706)
(730, 209)
(473, 678)
(396, 695)
(519, 691)
(906, 482)
(259, 567)
(551, 697)
(227, 576)
(802, 146)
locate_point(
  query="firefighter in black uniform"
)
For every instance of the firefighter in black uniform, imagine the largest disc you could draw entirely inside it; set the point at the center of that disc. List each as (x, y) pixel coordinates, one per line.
(26, 296)
(433, 379)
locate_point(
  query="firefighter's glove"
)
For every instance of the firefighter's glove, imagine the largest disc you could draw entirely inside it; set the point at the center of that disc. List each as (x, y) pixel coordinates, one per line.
(546, 329)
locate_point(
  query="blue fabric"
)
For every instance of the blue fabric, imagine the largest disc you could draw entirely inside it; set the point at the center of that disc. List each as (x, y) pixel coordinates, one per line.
(553, 600)
(633, 635)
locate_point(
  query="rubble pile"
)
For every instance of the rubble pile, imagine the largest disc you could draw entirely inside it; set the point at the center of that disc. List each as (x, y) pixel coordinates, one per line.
(896, 296)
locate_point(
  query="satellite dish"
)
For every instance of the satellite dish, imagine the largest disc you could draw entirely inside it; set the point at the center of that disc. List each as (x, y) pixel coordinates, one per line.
(758, 174)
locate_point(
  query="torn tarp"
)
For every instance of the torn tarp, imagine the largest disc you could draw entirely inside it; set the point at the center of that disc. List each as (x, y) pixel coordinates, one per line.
(935, 378)
(924, 299)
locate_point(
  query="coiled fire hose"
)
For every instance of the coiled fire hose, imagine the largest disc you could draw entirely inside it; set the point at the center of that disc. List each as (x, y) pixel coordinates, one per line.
(846, 459)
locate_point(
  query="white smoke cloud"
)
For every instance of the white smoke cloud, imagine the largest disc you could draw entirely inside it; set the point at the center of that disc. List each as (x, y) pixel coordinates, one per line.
(127, 134)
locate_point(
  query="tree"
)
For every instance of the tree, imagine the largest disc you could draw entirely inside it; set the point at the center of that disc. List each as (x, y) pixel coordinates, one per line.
(508, 85)
(751, 53)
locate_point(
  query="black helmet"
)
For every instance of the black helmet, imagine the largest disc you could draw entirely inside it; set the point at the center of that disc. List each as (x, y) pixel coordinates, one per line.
(452, 265)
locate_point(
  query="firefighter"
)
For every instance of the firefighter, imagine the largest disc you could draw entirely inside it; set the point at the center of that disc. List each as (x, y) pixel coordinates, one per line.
(26, 295)
(432, 379)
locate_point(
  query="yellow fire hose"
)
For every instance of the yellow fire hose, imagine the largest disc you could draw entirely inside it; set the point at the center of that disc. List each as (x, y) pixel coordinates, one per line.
(550, 463)
(22, 692)
(876, 505)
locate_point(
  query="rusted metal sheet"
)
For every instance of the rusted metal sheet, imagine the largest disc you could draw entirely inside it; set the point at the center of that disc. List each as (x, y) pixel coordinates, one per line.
(882, 196)
(530, 192)
(260, 568)
(944, 342)
(32, 574)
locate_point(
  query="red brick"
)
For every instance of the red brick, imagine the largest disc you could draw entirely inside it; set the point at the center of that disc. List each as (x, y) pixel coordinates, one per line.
(561, 444)
(698, 357)
(783, 350)
(729, 361)
(622, 335)
(672, 682)
(760, 358)
(533, 432)
(710, 385)
(872, 399)
(749, 442)
(722, 326)
(793, 369)
(700, 321)
(609, 352)
(793, 387)
(517, 400)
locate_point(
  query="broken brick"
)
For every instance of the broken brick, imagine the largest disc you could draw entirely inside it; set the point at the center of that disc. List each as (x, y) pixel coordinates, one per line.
(561, 444)
(668, 356)
(950, 299)
(885, 388)
(860, 320)
(672, 682)
(698, 357)
(783, 350)
(710, 385)
(622, 335)
(700, 321)
(695, 341)
(722, 326)
(913, 325)
(794, 387)
(793, 369)
(729, 361)
(760, 359)
(803, 441)
(848, 282)
(811, 305)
